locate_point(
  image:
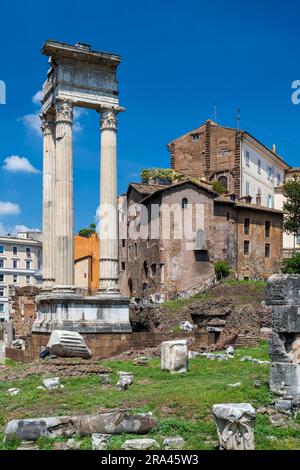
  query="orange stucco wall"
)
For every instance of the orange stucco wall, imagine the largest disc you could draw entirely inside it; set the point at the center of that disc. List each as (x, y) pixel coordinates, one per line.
(89, 247)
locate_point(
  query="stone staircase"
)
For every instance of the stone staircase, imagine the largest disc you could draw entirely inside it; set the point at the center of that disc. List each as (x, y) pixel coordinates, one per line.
(200, 288)
(243, 341)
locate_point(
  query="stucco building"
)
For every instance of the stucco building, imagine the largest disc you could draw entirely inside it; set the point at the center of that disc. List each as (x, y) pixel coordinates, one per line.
(291, 243)
(243, 165)
(20, 265)
(86, 259)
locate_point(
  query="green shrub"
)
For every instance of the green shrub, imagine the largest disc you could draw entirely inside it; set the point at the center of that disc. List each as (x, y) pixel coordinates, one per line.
(218, 187)
(222, 269)
(292, 265)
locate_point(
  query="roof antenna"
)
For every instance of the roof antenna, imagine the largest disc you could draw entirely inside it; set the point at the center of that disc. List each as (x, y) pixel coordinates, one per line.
(215, 112)
(238, 118)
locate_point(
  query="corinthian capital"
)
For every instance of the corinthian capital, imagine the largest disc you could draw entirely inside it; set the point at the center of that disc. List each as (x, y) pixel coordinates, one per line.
(48, 120)
(64, 111)
(109, 119)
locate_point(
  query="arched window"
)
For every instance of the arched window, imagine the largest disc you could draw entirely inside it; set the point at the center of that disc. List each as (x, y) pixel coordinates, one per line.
(153, 269)
(224, 182)
(199, 239)
(184, 203)
(145, 268)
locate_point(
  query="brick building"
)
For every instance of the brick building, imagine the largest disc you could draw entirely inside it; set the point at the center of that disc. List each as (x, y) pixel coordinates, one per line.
(244, 166)
(246, 235)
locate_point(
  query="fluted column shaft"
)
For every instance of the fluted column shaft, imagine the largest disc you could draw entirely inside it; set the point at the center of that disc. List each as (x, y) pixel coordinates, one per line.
(108, 214)
(64, 206)
(48, 127)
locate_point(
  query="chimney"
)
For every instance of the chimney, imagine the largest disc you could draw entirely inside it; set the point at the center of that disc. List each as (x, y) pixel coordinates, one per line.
(274, 148)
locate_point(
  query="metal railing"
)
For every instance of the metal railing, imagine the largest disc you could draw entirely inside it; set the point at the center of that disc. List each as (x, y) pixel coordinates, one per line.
(200, 288)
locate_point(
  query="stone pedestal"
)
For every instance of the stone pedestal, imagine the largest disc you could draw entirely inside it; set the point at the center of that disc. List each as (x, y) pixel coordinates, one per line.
(283, 296)
(235, 426)
(175, 356)
(71, 312)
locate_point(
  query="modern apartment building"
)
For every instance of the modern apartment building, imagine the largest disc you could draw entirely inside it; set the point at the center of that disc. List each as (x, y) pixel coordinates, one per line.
(20, 265)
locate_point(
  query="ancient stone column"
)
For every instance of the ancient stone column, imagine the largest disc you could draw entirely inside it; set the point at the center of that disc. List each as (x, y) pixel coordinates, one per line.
(48, 127)
(64, 211)
(108, 212)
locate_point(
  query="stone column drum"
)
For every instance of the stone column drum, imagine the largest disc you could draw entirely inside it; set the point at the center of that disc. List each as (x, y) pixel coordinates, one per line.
(108, 213)
(64, 210)
(175, 356)
(283, 296)
(48, 127)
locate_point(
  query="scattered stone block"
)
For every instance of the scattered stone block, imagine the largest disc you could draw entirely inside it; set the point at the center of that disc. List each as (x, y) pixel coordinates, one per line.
(105, 379)
(52, 383)
(128, 376)
(283, 405)
(13, 391)
(28, 445)
(70, 444)
(187, 326)
(173, 443)
(230, 351)
(235, 426)
(100, 441)
(17, 344)
(175, 356)
(246, 359)
(141, 361)
(68, 344)
(140, 444)
(236, 385)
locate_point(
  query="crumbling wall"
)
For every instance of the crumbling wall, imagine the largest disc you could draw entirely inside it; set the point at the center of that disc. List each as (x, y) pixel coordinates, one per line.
(22, 309)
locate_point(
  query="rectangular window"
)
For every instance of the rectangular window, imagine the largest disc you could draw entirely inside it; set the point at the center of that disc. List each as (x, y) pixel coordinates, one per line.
(27, 279)
(246, 247)
(270, 173)
(259, 167)
(1, 308)
(123, 243)
(123, 265)
(1, 277)
(298, 239)
(270, 201)
(15, 278)
(267, 250)
(27, 264)
(1, 263)
(15, 264)
(195, 137)
(247, 188)
(278, 179)
(267, 229)
(28, 252)
(1, 292)
(246, 226)
(247, 158)
(1, 249)
(15, 250)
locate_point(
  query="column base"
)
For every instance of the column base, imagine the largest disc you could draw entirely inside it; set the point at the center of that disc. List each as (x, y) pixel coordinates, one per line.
(61, 310)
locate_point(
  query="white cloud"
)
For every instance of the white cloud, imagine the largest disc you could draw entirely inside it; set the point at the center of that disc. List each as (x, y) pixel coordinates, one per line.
(15, 164)
(32, 122)
(36, 99)
(9, 208)
(23, 228)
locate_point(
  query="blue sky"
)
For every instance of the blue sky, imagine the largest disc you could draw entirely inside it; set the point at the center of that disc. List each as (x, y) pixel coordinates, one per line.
(179, 57)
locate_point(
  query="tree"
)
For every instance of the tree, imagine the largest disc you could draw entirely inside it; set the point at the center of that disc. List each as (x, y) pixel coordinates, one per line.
(87, 231)
(291, 207)
(218, 187)
(292, 265)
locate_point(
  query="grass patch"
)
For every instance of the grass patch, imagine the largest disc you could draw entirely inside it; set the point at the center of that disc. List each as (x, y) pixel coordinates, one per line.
(183, 403)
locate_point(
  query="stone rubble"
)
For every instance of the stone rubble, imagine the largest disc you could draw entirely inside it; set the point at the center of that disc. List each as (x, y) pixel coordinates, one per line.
(175, 443)
(100, 441)
(125, 380)
(28, 445)
(71, 444)
(140, 444)
(235, 426)
(13, 391)
(105, 379)
(52, 383)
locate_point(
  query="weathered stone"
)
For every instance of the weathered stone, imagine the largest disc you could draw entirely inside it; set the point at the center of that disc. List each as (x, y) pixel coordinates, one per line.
(141, 361)
(52, 383)
(28, 445)
(235, 426)
(17, 344)
(71, 444)
(187, 326)
(278, 420)
(256, 383)
(68, 344)
(111, 422)
(13, 391)
(280, 287)
(127, 376)
(105, 379)
(236, 385)
(246, 359)
(122, 385)
(140, 444)
(285, 378)
(174, 356)
(230, 351)
(100, 441)
(173, 443)
(283, 405)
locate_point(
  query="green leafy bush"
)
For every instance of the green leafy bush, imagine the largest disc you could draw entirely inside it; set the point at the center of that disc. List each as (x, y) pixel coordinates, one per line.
(218, 187)
(222, 269)
(292, 265)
